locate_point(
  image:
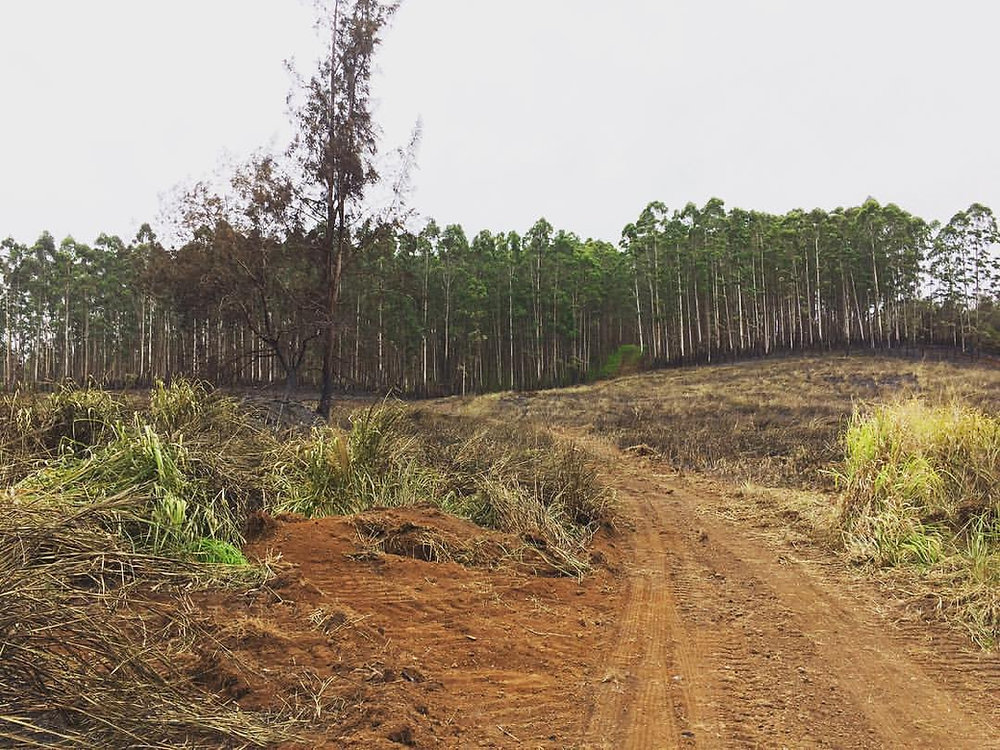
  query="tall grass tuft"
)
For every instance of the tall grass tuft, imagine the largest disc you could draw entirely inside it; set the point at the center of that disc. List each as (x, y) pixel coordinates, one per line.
(178, 404)
(332, 472)
(180, 477)
(921, 487)
(169, 507)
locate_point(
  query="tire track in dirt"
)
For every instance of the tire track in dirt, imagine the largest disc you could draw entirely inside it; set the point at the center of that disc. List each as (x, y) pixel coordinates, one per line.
(833, 631)
(953, 662)
(648, 696)
(727, 640)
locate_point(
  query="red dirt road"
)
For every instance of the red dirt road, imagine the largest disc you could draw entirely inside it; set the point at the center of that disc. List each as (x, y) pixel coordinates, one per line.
(732, 638)
(701, 628)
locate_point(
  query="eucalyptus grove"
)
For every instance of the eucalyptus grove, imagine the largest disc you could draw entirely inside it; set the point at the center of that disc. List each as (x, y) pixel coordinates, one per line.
(242, 301)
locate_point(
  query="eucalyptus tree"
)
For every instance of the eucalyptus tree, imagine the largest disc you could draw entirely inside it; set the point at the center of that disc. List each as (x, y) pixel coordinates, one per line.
(980, 239)
(335, 148)
(965, 268)
(509, 246)
(452, 249)
(819, 303)
(35, 279)
(489, 294)
(537, 243)
(11, 255)
(631, 246)
(425, 242)
(645, 243)
(740, 259)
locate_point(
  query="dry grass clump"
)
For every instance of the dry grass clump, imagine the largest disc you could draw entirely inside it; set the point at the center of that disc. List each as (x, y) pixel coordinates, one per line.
(165, 507)
(337, 472)
(381, 533)
(562, 477)
(89, 660)
(35, 427)
(435, 536)
(921, 487)
(180, 477)
(522, 481)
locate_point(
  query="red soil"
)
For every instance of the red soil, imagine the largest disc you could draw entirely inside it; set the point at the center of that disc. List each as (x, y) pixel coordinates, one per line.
(413, 652)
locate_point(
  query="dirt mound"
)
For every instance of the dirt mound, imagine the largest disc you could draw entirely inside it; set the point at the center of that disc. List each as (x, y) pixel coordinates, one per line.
(430, 535)
(411, 627)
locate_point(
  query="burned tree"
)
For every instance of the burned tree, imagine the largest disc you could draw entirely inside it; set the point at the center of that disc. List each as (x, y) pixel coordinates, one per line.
(335, 147)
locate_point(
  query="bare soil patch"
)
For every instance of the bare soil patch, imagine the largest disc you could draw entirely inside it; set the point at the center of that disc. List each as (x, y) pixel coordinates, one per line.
(375, 630)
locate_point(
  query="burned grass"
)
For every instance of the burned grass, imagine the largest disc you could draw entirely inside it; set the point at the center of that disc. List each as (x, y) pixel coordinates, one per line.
(428, 534)
(91, 658)
(771, 422)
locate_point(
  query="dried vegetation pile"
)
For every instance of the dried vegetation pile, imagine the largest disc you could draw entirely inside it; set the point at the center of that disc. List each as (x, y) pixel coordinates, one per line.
(104, 519)
(520, 481)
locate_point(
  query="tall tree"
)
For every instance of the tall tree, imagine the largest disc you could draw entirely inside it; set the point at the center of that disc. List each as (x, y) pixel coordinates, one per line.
(335, 148)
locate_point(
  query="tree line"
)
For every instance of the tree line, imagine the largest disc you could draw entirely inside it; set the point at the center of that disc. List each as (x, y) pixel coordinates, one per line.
(287, 274)
(244, 302)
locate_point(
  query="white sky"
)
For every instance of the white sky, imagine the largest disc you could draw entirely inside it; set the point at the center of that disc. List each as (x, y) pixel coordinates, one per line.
(581, 111)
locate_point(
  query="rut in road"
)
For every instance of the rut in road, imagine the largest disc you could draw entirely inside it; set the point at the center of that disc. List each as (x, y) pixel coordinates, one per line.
(727, 639)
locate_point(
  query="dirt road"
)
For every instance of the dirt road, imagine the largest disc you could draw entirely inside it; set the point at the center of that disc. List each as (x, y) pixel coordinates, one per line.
(709, 623)
(729, 637)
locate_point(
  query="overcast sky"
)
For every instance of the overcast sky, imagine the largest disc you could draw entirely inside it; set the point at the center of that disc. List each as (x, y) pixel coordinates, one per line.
(581, 111)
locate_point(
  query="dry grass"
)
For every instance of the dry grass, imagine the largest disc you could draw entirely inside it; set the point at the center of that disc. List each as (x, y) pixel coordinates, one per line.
(90, 659)
(522, 482)
(921, 489)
